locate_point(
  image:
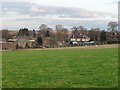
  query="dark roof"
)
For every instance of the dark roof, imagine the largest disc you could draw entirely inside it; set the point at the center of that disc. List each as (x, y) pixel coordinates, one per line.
(79, 36)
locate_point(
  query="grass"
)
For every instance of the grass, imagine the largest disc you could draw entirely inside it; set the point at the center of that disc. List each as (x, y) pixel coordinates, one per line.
(67, 68)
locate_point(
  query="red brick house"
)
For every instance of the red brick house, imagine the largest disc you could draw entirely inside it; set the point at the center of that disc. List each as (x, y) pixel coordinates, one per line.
(7, 45)
(113, 36)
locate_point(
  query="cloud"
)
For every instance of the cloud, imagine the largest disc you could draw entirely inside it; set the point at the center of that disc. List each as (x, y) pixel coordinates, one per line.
(32, 14)
(32, 9)
(37, 10)
(115, 2)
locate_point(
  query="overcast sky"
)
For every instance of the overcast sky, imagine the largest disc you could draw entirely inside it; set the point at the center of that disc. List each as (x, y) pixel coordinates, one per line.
(69, 13)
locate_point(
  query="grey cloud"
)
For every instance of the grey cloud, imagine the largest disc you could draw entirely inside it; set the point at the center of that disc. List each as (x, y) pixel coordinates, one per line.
(34, 10)
(25, 8)
(20, 7)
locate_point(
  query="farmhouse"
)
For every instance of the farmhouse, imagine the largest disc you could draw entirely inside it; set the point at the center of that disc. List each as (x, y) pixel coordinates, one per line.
(25, 42)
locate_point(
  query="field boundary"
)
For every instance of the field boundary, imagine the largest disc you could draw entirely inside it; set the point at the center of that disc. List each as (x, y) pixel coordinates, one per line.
(75, 47)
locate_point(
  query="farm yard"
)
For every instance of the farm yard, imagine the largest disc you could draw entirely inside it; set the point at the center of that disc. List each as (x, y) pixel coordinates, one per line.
(64, 68)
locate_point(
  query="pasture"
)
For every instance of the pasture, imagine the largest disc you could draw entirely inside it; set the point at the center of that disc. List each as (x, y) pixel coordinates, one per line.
(64, 68)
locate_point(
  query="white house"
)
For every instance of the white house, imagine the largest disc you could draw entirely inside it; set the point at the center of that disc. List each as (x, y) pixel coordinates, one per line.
(80, 38)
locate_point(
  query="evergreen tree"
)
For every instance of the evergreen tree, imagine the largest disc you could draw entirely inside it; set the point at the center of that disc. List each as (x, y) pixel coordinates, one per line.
(39, 40)
(23, 32)
(47, 34)
(103, 37)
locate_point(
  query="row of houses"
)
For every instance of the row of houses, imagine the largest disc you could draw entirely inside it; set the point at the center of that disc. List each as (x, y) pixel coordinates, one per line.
(29, 42)
(12, 44)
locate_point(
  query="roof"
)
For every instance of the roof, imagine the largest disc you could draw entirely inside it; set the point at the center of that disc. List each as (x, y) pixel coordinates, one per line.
(80, 36)
(12, 40)
(22, 40)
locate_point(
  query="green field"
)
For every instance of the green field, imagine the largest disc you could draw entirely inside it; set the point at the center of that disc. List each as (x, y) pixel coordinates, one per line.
(67, 68)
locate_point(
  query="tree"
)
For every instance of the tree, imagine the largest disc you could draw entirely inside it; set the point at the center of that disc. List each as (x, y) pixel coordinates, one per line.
(39, 40)
(82, 30)
(62, 34)
(59, 27)
(74, 28)
(75, 31)
(17, 46)
(94, 34)
(42, 30)
(43, 27)
(23, 32)
(6, 34)
(103, 36)
(34, 33)
(47, 33)
(112, 26)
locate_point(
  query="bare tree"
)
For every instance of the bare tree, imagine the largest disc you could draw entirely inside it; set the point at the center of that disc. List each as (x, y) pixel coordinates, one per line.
(112, 26)
(75, 31)
(6, 34)
(94, 34)
(82, 30)
(43, 27)
(61, 34)
(59, 27)
(42, 30)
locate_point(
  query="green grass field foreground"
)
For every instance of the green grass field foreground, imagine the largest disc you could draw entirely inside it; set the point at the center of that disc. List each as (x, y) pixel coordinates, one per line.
(66, 68)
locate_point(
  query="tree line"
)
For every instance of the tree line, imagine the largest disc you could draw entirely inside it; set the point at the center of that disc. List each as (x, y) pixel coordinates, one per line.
(63, 34)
